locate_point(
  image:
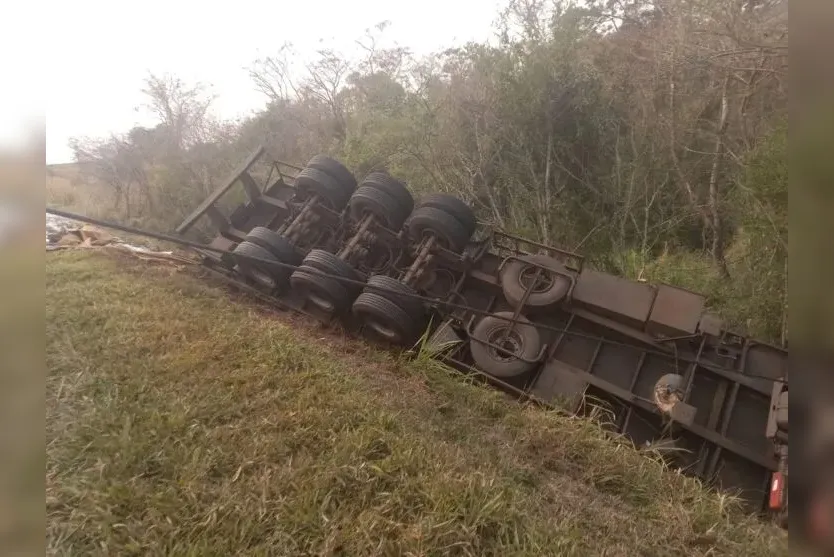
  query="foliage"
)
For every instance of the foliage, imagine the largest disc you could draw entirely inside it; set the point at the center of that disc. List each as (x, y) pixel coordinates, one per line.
(638, 132)
(759, 252)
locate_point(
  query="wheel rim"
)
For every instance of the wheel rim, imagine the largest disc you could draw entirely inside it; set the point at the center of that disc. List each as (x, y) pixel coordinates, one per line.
(543, 283)
(510, 344)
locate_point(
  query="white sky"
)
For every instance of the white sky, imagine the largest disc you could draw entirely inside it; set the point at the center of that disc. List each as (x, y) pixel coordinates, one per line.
(97, 53)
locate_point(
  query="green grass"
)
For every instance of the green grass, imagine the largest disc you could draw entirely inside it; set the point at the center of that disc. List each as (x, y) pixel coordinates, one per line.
(183, 422)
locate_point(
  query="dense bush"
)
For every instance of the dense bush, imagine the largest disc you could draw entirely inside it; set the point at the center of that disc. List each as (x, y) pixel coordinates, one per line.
(652, 140)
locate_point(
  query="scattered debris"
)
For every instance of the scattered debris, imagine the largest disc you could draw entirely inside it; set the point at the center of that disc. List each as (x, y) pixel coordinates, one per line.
(62, 233)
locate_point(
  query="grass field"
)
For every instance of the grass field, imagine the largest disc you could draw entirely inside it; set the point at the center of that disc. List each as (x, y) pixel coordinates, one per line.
(69, 187)
(181, 421)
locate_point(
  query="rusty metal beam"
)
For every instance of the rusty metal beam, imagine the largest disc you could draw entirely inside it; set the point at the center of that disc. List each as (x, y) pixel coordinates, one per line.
(218, 193)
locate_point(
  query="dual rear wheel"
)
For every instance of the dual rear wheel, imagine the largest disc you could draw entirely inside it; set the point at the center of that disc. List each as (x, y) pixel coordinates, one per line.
(389, 311)
(327, 178)
(387, 306)
(446, 218)
(380, 195)
(266, 258)
(332, 294)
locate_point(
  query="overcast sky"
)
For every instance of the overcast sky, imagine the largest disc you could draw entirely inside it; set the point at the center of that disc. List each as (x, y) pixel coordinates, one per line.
(98, 52)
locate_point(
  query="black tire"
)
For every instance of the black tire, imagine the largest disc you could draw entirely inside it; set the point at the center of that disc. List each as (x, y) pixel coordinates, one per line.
(268, 276)
(313, 181)
(371, 200)
(329, 263)
(335, 169)
(394, 188)
(517, 274)
(277, 245)
(524, 341)
(393, 287)
(452, 205)
(447, 229)
(386, 319)
(326, 293)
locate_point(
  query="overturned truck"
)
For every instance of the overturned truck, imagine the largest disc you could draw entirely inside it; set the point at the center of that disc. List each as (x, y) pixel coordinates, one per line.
(530, 319)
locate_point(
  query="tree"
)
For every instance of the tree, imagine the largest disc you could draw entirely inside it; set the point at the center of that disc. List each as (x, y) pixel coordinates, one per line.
(627, 129)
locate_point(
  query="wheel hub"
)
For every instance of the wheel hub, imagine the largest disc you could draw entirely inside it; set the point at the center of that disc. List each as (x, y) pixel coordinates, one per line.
(539, 284)
(508, 344)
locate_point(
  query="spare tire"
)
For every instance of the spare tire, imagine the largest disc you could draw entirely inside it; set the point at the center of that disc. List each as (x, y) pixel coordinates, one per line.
(452, 205)
(522, 341)
(518, 274)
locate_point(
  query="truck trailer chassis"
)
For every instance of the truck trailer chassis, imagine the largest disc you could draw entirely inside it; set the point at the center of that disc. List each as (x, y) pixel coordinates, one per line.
(527, 318)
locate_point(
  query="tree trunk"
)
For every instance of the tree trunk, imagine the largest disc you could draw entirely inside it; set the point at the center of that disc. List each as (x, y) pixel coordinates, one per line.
(690, 192)
(545, 209)
(715, 216)
(493, 205)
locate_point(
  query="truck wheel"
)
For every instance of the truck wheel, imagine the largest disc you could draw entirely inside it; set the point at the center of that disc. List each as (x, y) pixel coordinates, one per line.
(387, 319)
(394, 188)
(368, 200)
(392, 287)
(324, 292)
(444, 227)
(268, 276)
(274, 243)
(519, 274)
(334, 169)
(329, 263)
(522, 341)
(452, 205)
(333, 193)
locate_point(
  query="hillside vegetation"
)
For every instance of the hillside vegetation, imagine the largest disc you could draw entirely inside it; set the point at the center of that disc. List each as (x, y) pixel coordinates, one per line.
(649, 135)
(182, 422)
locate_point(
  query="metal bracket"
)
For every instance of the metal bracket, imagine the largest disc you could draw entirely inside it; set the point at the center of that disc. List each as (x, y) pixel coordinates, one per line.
(578, 259)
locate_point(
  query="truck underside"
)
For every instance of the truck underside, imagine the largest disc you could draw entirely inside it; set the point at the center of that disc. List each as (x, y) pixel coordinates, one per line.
(530, 319)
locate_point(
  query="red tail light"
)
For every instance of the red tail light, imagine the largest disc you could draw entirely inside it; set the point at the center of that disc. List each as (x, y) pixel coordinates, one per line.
(777, 487)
